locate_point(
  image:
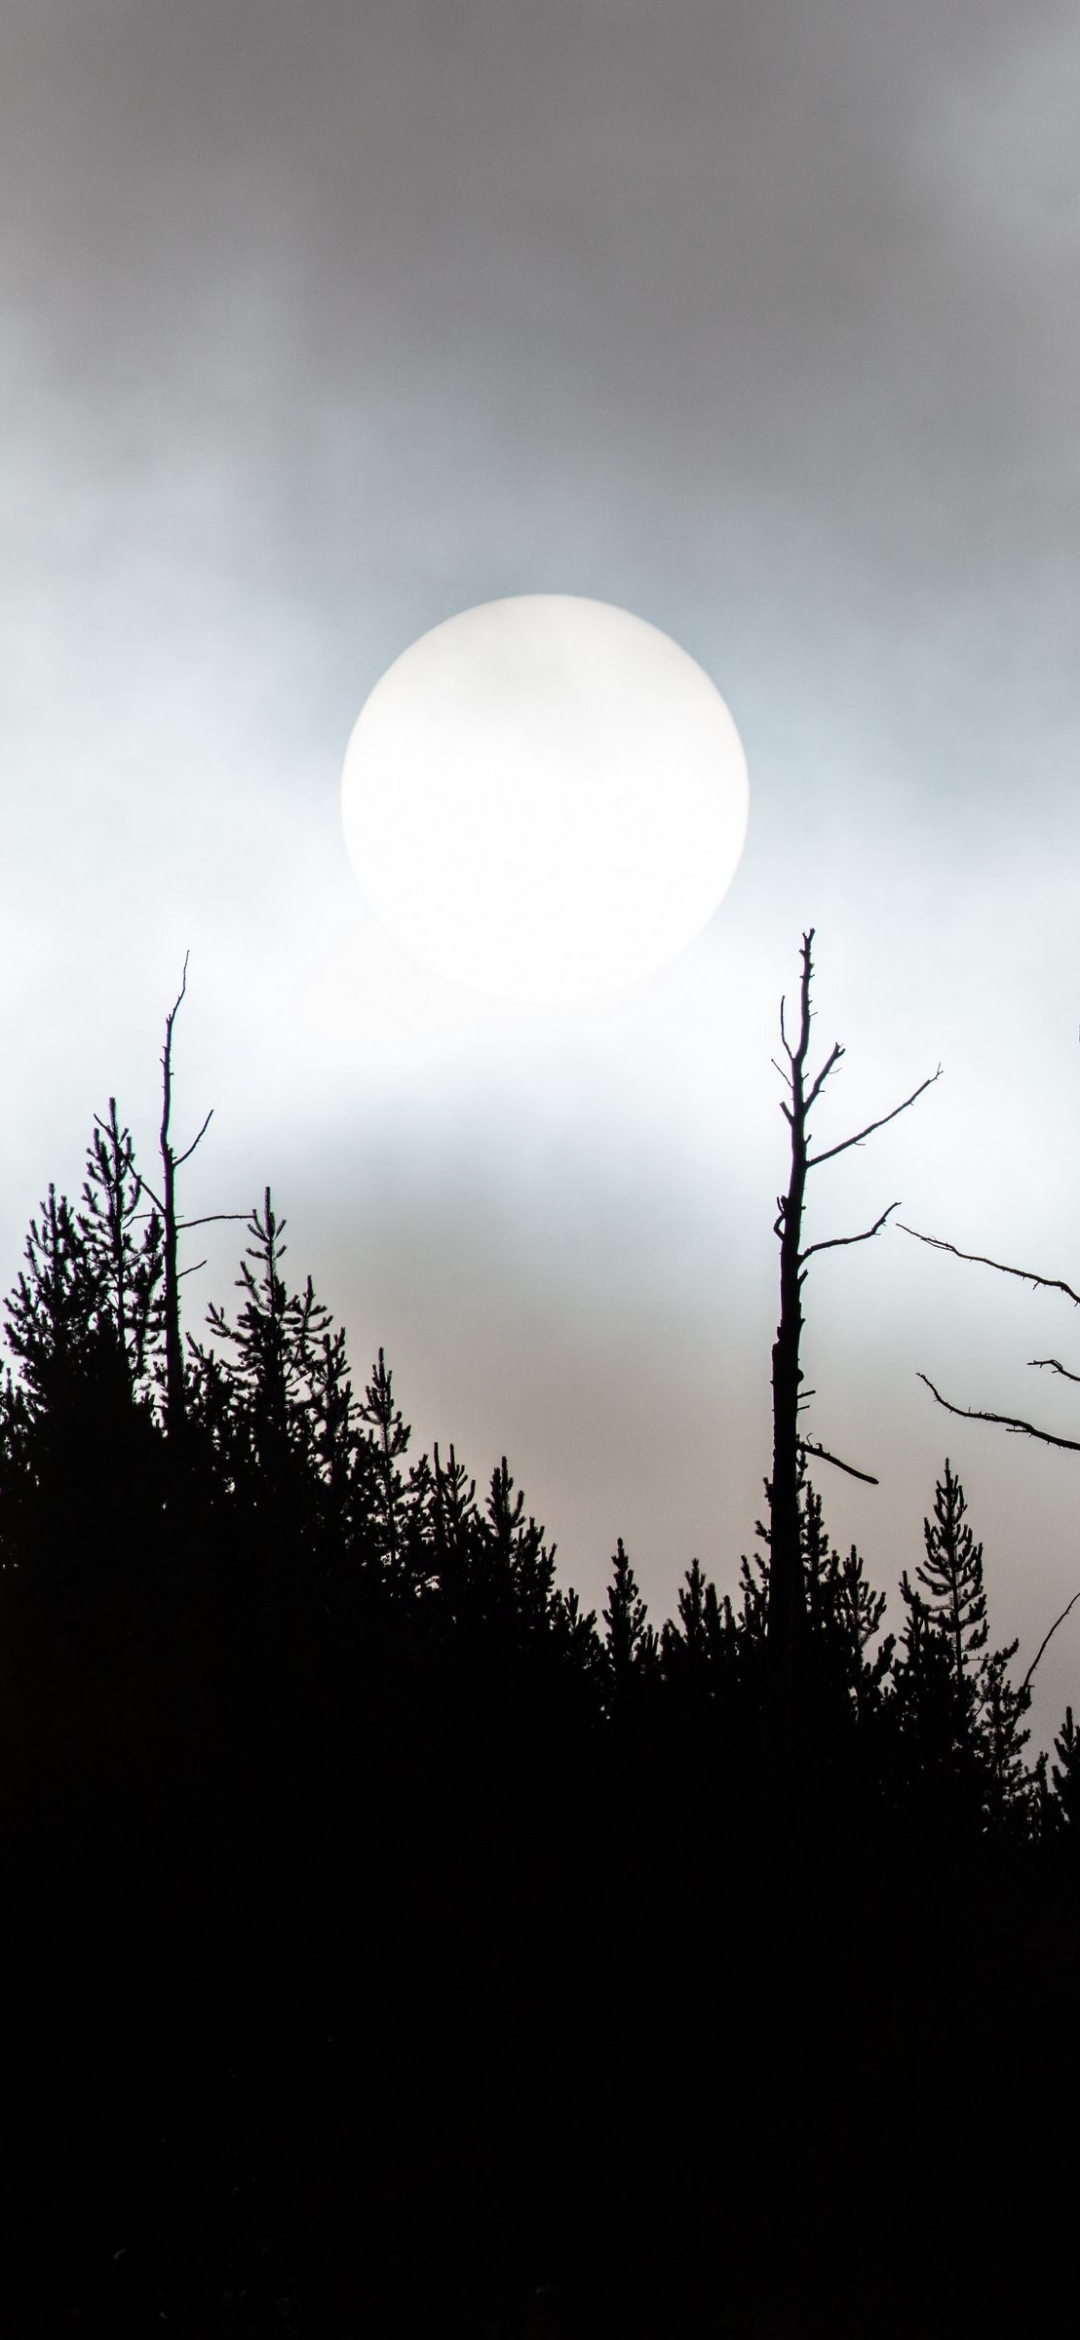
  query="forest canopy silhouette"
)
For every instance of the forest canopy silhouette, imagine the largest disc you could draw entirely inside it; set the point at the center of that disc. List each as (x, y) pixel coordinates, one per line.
(393, 1945)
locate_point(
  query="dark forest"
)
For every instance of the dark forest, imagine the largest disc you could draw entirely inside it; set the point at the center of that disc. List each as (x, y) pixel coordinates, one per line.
(390, 1946)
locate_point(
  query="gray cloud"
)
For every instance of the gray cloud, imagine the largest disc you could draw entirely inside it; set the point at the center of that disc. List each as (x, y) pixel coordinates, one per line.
(321, 323)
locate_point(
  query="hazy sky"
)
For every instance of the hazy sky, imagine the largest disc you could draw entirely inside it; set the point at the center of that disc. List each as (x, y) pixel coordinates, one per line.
(323, 322)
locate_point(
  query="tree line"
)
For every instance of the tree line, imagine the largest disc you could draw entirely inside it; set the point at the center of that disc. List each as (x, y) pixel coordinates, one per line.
(395, 1939)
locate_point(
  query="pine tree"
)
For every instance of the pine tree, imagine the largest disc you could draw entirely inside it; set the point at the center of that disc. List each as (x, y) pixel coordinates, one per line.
(685, 1648)
(1065, 1778)
(127, 1267)
(388, 1437)
(859, 1612)
(512, 1569)
(952, 1579)
(1000, 1710)
(52, 1311)
(630, 1643)
(961, 1715)
(273, 1348)
(77, 1433)
(275, 1420)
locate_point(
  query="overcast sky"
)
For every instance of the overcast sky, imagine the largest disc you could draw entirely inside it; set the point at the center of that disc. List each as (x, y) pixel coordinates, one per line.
(323, 322)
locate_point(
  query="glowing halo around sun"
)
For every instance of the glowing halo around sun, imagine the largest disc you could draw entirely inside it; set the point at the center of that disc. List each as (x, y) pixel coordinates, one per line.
(544, 798)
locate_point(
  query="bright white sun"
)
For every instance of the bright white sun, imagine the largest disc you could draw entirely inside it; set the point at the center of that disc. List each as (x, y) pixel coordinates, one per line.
(544, 798)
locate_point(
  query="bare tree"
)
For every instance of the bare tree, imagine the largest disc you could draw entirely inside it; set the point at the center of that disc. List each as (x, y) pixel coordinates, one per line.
(174, 1227)
(787, 1597)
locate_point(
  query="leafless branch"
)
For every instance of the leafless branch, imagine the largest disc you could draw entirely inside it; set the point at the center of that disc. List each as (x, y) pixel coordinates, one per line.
(1055, 1367)
(809, 1447)
(978, 1259)
(182, 991)
(182, 1158)
(210, 1220)
(191, 1271)
(836, 1242)
(817, 1085)
(1047, 1637)
(1005, 1421)
(846, 1143)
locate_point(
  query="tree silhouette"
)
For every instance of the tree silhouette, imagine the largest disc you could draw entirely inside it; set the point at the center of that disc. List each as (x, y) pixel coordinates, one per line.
(1065, 1776)
(173, 1227)
(787, 1591)
(630, 1643)
(329, 1818)
(952, 1581)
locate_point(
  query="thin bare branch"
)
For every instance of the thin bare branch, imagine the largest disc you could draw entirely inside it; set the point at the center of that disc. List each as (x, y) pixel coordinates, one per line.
(1004, 1421)
(1047, 1637)
(817, 1086)
(210, 1220)
(1055, 1367)
(809, 1447)
(191, 1271)
(846, 1143)
(979, 1259)
(181, 994)
(182, 1158)
(837, 1242)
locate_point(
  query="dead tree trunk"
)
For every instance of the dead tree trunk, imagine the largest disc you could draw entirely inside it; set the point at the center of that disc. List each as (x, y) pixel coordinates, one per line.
(786, 1590)
(787, 1602)
(174, 1227)
(174, 1351)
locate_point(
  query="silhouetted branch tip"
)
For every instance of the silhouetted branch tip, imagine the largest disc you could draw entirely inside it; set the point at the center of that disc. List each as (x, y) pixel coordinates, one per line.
(816, 1086)
(178, 1001)
(1004, 1421)
(1047, 1637)
(196, 1141)
(979, 1259)
(209, 1219)
(837, 1242)
(846, 1144)
(1055, 1366)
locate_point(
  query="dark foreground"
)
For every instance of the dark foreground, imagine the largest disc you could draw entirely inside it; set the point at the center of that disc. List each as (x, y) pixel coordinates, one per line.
(366, 2015)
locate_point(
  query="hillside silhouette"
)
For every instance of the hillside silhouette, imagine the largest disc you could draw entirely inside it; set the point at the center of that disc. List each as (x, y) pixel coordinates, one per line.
(391, 1946)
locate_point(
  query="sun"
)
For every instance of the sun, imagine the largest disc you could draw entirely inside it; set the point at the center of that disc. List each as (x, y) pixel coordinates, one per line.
(544, 798)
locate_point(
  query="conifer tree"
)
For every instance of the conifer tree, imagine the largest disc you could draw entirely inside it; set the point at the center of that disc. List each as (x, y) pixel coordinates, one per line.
(50, 1311)
(952, 1578)
(686, 1648)
(523, 1565)
(1065, 1777)
(630, 1642)
(454, 1526)
(962, 1714)
(574, 1635)
(275, 1343)
(859, 1612)
(127, 1267)
(1001, 1738)
(388, 1437)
